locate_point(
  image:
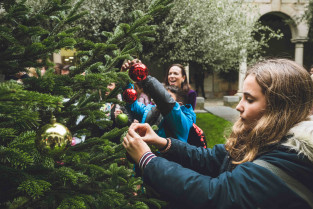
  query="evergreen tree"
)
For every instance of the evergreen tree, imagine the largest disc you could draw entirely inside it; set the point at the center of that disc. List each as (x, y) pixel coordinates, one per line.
(92, 174)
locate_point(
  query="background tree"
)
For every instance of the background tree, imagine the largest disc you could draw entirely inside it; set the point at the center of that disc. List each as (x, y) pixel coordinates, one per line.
(308, 16)
(93, 174)
(211, 33)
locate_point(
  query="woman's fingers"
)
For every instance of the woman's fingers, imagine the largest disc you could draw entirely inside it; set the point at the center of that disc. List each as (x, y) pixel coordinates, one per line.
(139, 128)
(132, 133)
(131, 137)
(129, 63)
(125, 142)
(133, 125)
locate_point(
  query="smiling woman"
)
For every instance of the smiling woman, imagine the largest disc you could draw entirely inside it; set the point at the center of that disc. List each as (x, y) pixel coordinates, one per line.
(176, 76)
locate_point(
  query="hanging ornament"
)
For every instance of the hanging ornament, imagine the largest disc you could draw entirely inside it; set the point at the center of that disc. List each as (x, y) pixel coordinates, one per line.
(121, 120)
(53, 139)
(130, 95)
(138, 72)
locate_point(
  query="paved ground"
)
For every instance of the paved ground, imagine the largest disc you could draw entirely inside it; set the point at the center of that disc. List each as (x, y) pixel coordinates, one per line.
(216, 107)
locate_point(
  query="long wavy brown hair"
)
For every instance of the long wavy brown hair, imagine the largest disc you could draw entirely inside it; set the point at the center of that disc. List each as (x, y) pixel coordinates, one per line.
(288, 90)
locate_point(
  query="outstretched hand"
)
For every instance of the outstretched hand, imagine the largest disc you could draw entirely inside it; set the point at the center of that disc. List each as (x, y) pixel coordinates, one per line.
(137, 139)
(135, 146)
(148, 135)
(128, 64)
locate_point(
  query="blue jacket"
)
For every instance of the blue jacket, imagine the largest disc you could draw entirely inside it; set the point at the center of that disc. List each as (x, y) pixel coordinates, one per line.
(176, 123)
(177, 120)
(193, 177)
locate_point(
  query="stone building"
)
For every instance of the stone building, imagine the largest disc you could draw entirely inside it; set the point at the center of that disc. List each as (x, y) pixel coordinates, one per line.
(284, 15)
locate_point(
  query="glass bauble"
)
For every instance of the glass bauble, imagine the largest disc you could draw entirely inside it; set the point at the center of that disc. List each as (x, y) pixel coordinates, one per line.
(130, 96)
(138, 72)
(53, 138)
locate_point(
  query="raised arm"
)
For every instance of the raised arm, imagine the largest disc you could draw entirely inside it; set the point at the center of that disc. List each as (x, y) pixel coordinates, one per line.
(177, 121)
(159, 94)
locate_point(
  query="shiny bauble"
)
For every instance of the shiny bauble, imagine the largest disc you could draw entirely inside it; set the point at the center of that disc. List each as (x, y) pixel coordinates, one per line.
(121, 120)
(130, 95)
(138, 72)
(53, 139)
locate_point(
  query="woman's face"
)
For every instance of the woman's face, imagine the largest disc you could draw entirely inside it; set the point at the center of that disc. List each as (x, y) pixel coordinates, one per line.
(111, 86)
(253, 103)
(175, 77)
(138, 89)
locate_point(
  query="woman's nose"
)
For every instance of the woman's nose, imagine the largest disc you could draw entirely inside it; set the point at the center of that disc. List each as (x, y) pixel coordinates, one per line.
(239, 106)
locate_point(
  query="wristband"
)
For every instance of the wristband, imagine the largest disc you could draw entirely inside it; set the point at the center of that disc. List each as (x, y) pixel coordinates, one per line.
(168, 146)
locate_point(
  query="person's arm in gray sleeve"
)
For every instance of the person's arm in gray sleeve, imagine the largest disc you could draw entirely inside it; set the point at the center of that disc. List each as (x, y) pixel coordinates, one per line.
(159, 94)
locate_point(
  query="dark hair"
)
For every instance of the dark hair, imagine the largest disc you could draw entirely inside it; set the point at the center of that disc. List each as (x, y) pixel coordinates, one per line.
(59, 66)
(139, 84)
(181, 95)
(185, 85)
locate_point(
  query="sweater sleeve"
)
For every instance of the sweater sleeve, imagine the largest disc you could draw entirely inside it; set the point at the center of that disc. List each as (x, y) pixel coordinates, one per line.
(247, 186)
(159, 94)
(202, 160)
(192, 98)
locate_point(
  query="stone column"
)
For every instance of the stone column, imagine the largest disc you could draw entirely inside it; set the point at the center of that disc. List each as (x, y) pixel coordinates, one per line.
(299, 49)
(57, 58)
(242, 71)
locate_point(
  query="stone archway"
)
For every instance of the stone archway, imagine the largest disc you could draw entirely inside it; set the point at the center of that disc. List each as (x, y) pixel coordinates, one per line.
(291, 10)
(283, 47)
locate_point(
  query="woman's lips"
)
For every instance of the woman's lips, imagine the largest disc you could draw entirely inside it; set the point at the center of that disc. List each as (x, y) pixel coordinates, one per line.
(172, 82)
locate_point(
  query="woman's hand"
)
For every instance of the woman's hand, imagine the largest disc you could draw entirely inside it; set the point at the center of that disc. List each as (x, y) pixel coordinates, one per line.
(128, 64)
(148, 135)
(135, 146)
(117, 112)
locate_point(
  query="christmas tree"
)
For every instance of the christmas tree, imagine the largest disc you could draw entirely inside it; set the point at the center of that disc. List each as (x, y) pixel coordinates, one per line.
(51, 173)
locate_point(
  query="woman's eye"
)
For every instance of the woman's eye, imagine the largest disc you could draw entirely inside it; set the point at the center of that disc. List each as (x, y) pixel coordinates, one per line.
(249, 100)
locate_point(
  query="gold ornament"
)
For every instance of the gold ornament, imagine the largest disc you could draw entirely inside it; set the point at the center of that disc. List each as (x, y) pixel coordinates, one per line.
(54, 138)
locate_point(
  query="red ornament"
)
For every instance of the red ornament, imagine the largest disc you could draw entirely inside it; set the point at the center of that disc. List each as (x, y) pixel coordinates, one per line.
(130, 95)
(138, 72)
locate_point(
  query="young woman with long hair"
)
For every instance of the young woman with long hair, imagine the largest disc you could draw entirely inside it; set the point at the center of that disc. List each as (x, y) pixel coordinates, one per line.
(267, 162)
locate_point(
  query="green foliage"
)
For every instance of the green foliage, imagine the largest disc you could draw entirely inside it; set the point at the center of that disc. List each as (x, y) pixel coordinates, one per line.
(18, 106)
(308, 17)
(34, 188)
(26, 35)
(91, 174)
